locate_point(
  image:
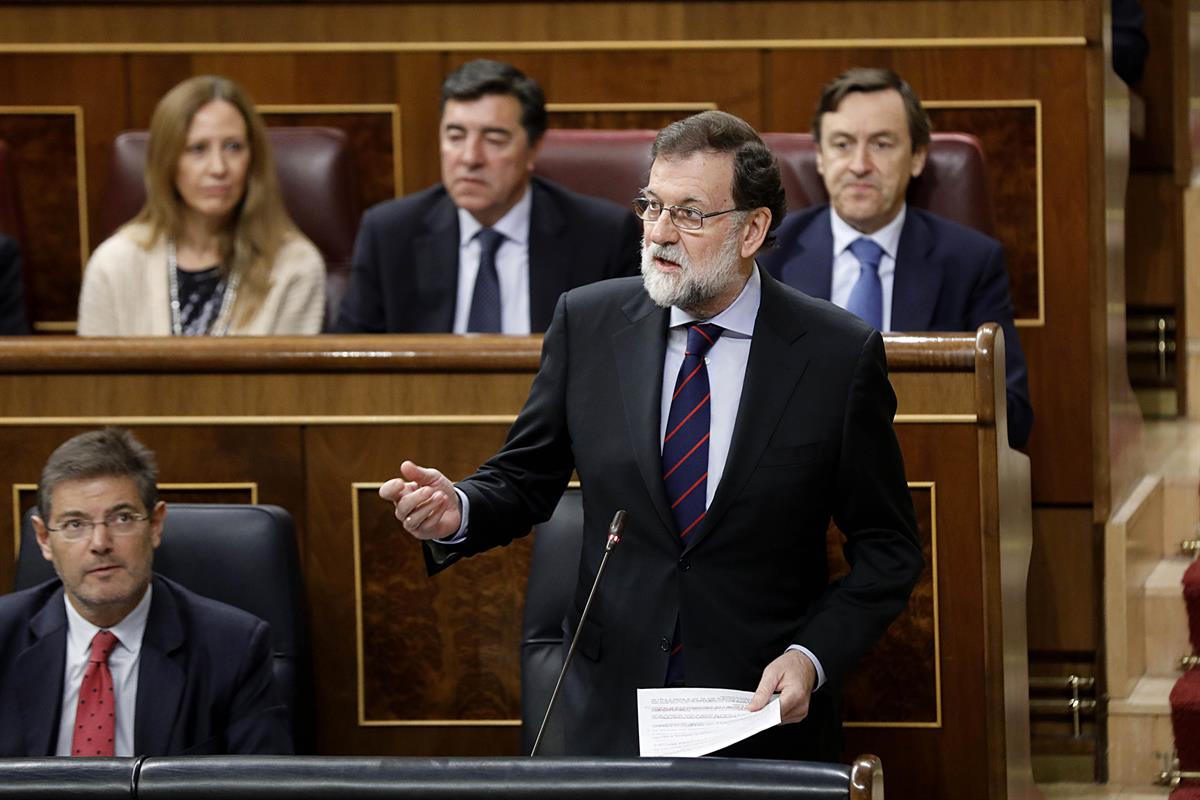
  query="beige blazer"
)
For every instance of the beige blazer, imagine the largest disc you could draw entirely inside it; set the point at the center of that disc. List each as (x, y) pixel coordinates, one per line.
(125, 290)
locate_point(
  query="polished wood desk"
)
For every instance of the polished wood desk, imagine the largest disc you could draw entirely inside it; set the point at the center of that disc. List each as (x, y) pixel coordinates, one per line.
(405, 665)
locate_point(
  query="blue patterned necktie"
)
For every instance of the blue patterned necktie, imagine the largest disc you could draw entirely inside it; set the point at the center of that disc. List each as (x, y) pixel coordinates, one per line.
(866, 298)
(485, 303)
(685, 453)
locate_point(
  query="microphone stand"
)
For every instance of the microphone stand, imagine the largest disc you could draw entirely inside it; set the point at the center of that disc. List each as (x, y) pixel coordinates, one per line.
(615, 529)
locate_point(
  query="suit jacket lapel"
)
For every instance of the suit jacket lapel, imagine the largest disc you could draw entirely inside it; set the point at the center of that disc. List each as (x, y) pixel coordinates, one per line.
(918, 278)
(640, 349)
(40, 674)
(160, 676)
(549, 258)
(435, 271)
(810, 268)
(776, 363)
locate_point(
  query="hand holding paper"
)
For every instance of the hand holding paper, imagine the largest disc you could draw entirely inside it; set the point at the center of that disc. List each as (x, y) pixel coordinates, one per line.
(695, 722)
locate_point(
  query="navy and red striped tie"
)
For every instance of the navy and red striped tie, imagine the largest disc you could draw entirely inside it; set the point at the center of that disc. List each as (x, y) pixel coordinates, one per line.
(685, 452)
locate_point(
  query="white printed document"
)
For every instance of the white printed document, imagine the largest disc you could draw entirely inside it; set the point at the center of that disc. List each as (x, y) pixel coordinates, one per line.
(695, 722)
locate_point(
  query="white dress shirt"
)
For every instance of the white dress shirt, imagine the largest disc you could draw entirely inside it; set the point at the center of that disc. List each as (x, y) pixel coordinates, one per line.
(123, 663)
(846, 267)
(512, 267)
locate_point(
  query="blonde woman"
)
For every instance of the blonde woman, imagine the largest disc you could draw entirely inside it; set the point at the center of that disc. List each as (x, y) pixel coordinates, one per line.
(213, 251)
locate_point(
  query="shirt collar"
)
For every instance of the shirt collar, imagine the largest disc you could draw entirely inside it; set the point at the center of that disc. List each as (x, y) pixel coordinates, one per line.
(887, 237)
(128, 631)
(514, 225)
(738, 318)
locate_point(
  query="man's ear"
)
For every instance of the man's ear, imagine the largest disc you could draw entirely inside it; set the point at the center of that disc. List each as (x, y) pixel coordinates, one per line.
(156, 522)
(43, 537)
(754, 231)
(920, 154)
(534, 150)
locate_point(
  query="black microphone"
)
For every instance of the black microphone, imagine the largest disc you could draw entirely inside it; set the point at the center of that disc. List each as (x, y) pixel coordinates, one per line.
(615, 529)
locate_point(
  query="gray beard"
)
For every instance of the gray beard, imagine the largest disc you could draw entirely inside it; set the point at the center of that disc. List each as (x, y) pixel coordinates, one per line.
(693, 287)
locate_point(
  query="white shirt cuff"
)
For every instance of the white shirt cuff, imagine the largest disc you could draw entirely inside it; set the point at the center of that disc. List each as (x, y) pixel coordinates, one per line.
(460, 535)
(816, 663)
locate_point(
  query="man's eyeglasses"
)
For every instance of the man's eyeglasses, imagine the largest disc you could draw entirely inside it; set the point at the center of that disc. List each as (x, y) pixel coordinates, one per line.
(685, 218)
(122, 523)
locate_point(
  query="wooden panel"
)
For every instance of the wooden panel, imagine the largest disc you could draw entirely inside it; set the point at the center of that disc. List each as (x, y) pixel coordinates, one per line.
(1154, 241)
(1064, 598)
(1010, 138)
(44, 145)
(908, 653)
(532, 20)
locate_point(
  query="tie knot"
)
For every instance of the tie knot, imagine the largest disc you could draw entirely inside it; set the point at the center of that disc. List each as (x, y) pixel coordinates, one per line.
(701, 337)
(103, 643)
(490, 240)
(867, 252)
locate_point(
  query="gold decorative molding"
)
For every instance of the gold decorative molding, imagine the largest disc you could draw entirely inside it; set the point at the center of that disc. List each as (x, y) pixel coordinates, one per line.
(538, 46)
(576, 108)
(267, 419)
(360, 659)
(1040, 320)
(393, 109)
(937, 628)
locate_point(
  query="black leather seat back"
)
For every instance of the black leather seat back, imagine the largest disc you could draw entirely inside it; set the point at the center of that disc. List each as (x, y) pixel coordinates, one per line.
(553, 574)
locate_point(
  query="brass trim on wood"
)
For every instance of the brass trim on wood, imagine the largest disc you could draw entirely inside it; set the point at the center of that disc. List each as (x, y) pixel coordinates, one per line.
(360, 677)
(357, 419)
(1040, 320)
(937, 627)
(353, 108)
(900, 43)
(575, 108)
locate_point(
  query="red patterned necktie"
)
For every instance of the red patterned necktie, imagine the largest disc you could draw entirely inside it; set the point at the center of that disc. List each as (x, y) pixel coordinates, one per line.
(95, 716)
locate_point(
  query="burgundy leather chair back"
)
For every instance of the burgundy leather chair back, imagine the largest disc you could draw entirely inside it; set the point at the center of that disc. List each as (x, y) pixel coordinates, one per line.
(614, 164)
(953, 184)
(316, 176)
(10, 212)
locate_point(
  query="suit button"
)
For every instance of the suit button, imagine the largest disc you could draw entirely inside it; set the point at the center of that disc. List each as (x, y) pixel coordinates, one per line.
(684, 565)
(664, 644)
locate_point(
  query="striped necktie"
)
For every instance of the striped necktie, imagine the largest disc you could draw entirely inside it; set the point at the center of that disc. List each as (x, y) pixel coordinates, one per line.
(685, 453)
(866, 298)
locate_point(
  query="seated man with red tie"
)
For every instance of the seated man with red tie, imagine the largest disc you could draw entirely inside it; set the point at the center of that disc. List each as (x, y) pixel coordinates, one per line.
(110, 659)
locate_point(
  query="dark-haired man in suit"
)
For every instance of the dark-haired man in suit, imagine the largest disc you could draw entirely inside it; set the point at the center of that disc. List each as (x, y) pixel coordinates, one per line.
(110, 659)
(731, 417)
(491, 247)
(898, 267)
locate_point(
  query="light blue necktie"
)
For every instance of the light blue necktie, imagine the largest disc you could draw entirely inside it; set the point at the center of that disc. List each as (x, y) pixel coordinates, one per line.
(866, 298)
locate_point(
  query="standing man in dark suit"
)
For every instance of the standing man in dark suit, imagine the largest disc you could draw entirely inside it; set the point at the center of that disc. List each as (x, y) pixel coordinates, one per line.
(110, 659)
(491, 247)
(898, 267)
(12, 298)
(732, 417)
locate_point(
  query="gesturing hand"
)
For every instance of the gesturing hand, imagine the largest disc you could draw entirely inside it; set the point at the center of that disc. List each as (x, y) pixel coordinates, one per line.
(426, 503)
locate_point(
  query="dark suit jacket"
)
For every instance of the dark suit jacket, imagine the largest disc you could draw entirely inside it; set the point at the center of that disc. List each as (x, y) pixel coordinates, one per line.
(948, 278)
(813, 440)
(405, 272)
(205, 684)
(12, 299)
